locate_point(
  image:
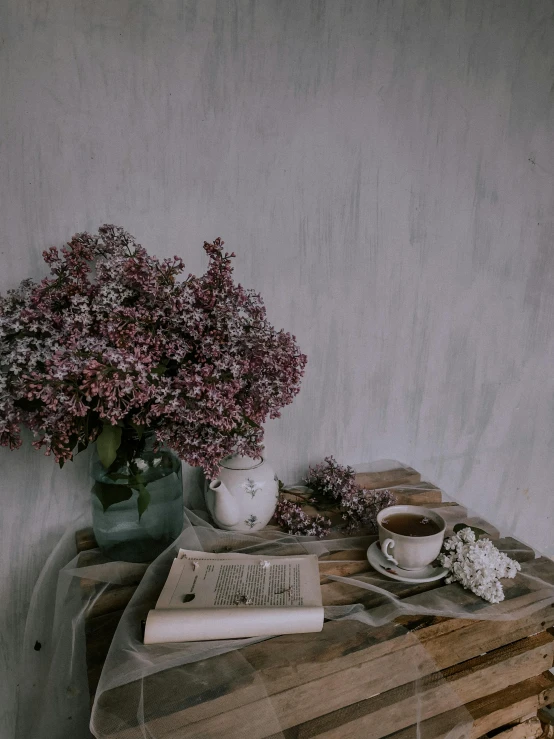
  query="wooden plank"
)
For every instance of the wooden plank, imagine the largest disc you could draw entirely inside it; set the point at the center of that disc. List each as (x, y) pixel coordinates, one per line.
(422, 493)
(117, 573)
(91, 557)
(530, 729)
(346, 554)
(354, 638)
(105, 598)
(286, 663)
(515, 549)
(333, 593)
(354, 561)
(345, 563)
(388, 712)
(116, 601)
(339, 593)
(356, 662)
(387, 478)
(85, 539)
(488, 712)
(111, 599)
(99, 633)
(317, 659)
(522, 595)
(454, 514)
(327, 562)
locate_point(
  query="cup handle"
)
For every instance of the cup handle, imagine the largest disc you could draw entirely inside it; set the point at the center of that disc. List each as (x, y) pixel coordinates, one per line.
(385, 549)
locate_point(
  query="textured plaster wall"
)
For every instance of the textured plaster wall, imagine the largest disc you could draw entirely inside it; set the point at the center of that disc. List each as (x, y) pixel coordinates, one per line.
(385, 173)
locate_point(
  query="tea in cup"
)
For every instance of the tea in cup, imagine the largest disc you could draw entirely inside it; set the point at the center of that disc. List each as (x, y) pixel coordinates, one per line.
(410, 536)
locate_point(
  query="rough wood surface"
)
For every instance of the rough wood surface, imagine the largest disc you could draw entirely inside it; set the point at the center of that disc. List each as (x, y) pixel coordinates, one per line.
(444, 638)
(530, 729)
(85, 539)
(310, 683)
(99, 633)
(109, 600)
(489, 712)
(388, 478)
(344, 664)
(390, 711)
(384, 713)
(421, 493)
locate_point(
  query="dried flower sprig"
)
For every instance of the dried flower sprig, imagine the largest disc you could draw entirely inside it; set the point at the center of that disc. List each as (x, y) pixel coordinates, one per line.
(112, 343)
(294, 520)
(331, 481)
(361, 507)
(477, 565)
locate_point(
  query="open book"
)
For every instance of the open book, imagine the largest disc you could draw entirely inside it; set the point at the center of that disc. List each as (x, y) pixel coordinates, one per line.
(228, 596)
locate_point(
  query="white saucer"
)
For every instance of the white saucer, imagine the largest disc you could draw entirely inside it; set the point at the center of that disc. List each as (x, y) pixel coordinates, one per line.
(377, 560)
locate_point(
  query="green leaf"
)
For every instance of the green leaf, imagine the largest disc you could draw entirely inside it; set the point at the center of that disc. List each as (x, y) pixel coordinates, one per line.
(159, 370)
(143, 499)
(108, 443)
(139, 429)
(109, 494)
(73, 440)
(476, 531)
(250, 422)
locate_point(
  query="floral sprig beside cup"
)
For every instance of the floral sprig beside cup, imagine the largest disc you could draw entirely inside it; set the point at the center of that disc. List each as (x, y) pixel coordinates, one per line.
(333, 488)
(477, 564)
(290, 516)
(332, 482)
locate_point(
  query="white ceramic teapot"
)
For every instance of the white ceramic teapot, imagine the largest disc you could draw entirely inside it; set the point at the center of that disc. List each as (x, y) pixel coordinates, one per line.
(244, 496)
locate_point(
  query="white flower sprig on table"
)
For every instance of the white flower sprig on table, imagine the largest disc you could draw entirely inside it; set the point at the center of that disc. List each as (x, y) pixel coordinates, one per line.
(477, 565)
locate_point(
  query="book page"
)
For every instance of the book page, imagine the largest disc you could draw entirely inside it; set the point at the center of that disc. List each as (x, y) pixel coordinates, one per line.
(214, 582)
(214, 596)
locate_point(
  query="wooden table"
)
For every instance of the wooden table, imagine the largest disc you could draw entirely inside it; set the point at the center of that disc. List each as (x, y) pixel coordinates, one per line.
(352, 680)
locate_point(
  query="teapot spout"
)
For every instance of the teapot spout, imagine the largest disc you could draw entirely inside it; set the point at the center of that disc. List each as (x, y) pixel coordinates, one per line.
(225, 509)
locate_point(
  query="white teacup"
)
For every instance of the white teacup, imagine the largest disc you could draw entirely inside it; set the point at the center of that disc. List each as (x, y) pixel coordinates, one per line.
(409, 551)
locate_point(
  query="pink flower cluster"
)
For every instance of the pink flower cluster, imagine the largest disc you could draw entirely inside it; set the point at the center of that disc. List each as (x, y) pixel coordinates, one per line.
(294, 520)
(112, 336)
(333, 482)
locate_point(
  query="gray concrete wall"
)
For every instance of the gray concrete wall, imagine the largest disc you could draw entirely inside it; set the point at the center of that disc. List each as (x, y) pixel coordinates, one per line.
(385, 173)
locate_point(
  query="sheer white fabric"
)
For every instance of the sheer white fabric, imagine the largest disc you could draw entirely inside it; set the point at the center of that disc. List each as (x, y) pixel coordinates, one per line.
(129, 691)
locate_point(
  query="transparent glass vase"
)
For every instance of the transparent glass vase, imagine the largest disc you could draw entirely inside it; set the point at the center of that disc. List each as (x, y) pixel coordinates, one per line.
(137, 504)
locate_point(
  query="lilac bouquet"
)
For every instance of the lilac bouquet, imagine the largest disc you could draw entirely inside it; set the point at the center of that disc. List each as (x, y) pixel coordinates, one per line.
(113, 344)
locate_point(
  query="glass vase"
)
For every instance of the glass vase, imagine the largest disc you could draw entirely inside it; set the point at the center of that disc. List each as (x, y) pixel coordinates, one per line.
(137, 503)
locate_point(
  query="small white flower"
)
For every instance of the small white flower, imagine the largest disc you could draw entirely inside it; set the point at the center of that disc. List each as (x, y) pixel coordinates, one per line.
(265, 563)
(243, 600)
(141, 464)
(477, 565)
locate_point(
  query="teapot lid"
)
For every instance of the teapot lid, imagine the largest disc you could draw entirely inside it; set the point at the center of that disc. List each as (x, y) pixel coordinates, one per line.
(238, 462)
